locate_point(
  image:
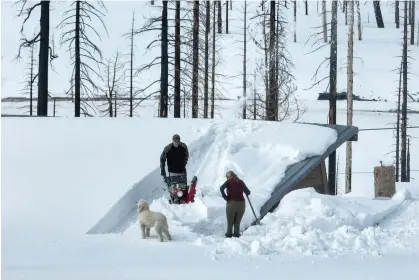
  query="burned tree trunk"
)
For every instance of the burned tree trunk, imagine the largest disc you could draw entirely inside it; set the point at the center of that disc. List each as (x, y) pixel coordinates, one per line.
(271, 106)
(213, 64)
(350, 83)
(244, 60)
(177, 62)
(164, 72)
(131, 89)
(195, 59)
(378, 15)
(403, 174)
(333, 85)
(397, 14)
(227, 17)
(324, 14)
(358, 10)
(398, 125)
(207, 30)
(412, 25)
(42, 106)
(77, 59)
(220, 20)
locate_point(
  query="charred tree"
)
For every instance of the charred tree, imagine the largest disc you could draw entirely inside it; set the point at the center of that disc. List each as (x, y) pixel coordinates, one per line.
(412, 25)
(195, 62)
(164, 68)
(350, 83)
(226, 16)
(332, 87)
(403, 173)
(177, 62)
(206, 79)
(378, 14)
(30, 76)
(45, 51)
(324, 14)
(220, 19)
(398, 125)
(131, 68)
(81, 45)
(306, 6)
(213, 65)
(114, 80)
(244, 61)
(358, 10)
(271, 107)
(397, 14)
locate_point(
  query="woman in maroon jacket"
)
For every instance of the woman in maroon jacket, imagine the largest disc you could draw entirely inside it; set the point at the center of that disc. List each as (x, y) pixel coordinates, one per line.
(235, 202)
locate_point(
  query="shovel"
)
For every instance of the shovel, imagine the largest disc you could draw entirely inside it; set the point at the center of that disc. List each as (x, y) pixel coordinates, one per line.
(253, 210)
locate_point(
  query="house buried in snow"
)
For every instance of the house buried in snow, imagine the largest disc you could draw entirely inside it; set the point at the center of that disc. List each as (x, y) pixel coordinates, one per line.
(310, 172)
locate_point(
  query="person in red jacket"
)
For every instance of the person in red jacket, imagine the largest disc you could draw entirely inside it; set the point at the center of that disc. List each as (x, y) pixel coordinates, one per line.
(236, 205)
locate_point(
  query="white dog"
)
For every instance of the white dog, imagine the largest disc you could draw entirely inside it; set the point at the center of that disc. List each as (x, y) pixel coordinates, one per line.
(149, 219)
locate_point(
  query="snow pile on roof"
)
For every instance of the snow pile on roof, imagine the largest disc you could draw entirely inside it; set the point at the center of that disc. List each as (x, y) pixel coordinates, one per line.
(259, 153)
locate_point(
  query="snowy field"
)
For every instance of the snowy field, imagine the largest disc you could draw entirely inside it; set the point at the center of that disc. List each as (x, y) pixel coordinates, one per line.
(87, 164)
(60, 176)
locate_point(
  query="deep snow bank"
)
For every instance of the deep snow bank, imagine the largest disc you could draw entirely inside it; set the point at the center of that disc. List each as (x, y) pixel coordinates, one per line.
(259, 152)
(310, 223)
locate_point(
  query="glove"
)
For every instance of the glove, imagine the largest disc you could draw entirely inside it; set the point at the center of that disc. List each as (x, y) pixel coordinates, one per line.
(165, 179)
(163, 172)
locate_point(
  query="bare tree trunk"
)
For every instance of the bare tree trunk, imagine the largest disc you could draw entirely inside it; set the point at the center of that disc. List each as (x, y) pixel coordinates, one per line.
(244, 60)
(42, 106)
(77, 63)
(231, 5)
(195, 59)
(295, 21)
(227, 17)
(213, 63)
(346, 11)
(31, 85)
(270, 106)
(397, 14)
(164, 74)
(220, 20)
(398, 125)
(131, 90)
(404, 104)
(333, 85)
(306, 6)
(324, 21)
(115, 102)
(254, 96)
(408, 159)
(378, 15)
(207, 27)
(176, 110)
(412, 26)
(410, 12)
(358, 10)
(350, 81)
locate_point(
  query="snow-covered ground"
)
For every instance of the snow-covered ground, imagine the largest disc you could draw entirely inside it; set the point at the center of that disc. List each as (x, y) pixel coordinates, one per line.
(60, 175)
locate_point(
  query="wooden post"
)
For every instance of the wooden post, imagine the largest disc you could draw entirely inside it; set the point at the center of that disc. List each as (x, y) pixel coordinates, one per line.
(384, 181)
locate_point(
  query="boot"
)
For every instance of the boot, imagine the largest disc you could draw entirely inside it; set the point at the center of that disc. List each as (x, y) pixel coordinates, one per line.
(228, 235)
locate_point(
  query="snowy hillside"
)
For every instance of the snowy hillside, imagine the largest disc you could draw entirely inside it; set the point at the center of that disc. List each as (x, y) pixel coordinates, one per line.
(59, 176)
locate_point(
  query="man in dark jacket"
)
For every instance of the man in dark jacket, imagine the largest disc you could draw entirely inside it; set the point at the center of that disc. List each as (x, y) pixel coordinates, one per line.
(177, 155)
(235, 202)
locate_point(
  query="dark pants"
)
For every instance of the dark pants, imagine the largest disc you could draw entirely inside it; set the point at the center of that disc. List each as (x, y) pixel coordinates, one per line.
(235, 211)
